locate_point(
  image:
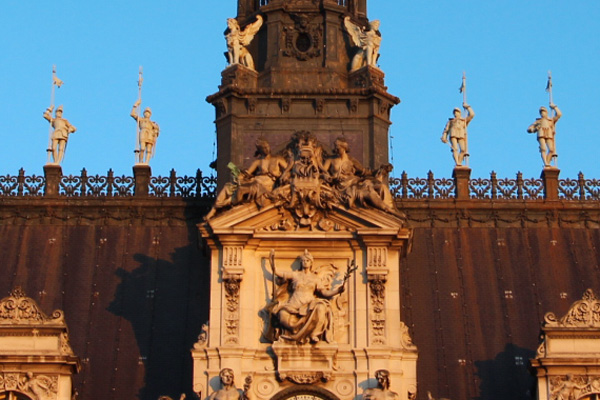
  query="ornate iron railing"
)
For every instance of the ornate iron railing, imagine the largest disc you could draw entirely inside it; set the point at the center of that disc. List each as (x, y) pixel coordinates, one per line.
(96, 185)
(200, 186)
(183, 186)
(406, 188)
(109, 185)
(22, 185)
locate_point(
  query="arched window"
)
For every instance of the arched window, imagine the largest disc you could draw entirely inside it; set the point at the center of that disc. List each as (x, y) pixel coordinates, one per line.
(13, 396)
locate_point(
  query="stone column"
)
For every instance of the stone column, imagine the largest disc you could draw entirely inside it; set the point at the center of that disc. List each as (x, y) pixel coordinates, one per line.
(550, 179)
(141, 175)
(461, 176)
(53, 174)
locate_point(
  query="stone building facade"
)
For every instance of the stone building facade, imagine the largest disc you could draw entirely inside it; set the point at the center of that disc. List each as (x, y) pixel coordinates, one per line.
(446, 281)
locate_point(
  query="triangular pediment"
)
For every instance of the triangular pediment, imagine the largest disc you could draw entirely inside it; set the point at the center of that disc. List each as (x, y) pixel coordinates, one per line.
(249, 219)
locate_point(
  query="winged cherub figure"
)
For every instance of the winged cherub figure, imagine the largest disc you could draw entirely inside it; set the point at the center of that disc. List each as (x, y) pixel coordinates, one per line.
(238, 40)
(368, 42)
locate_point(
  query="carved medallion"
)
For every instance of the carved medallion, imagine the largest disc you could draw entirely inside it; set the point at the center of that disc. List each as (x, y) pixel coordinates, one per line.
(303, 39)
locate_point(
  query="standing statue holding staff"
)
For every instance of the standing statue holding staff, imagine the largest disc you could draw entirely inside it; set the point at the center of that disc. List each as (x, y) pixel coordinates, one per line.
(456, 128)
(147, 130)
(545, 127)
(60, 128)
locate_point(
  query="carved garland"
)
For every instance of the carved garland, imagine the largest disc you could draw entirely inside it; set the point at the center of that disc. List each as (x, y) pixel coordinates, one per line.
(232, 314)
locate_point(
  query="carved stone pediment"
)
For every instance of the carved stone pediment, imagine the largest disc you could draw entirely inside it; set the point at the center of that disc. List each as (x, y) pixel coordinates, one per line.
(18, 309)
(584, 313)
(276, 220)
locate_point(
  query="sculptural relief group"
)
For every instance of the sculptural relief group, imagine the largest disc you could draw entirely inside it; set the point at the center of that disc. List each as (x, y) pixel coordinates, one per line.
(305, 179)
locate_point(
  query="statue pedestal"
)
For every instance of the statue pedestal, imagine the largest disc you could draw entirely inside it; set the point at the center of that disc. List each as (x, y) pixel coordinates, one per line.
(550, 179)
(240, 76)
(366, 77)
(53, 175)
(141, 174)
(461, 175)
(305, 364)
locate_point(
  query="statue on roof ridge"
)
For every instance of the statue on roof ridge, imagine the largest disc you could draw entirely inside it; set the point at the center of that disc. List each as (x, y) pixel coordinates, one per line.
(456, 130)
(148, 132)
(545, 127)
(238, 40)
(62, 129)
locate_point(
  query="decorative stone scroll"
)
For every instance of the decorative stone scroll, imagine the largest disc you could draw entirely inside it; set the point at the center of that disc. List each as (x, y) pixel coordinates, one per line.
(583, 313)
(18, 309)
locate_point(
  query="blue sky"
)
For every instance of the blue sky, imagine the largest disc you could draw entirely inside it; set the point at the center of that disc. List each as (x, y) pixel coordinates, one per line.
(506, 48)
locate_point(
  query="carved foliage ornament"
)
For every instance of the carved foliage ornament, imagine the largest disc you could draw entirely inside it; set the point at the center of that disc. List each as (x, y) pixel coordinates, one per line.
(232, 314)
(583, 313)
(17, 308)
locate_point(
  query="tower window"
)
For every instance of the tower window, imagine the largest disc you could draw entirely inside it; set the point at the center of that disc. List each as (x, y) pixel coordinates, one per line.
(343, 3)
(263, 2)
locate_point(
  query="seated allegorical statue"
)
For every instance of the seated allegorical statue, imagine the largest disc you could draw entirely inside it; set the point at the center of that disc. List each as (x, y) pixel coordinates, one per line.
(302, 306)
(382, 391)
(254, 183)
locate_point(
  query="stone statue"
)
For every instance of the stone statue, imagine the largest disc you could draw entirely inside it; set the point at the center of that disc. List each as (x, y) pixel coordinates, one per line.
(382, 391)
(306, 181)
(355, 184)
(341, 170)
(545, 127)
(39, 387)
(302, 304)
(228, 390)
(255, 182)
(368, 42)
(60, 135)
(148, 133)
(238, 40)
(456, 129)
